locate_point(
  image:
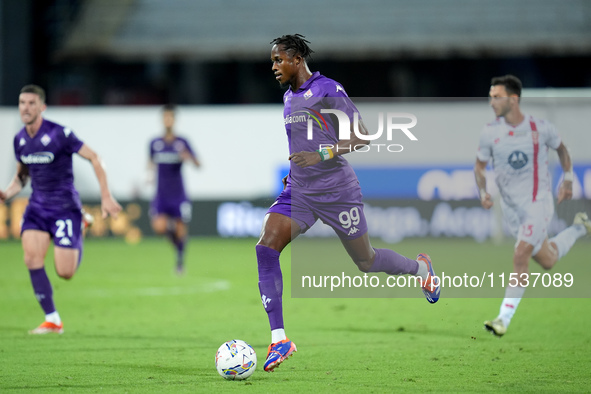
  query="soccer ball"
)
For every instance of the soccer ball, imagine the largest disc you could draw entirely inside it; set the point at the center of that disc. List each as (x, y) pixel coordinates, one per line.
(236, 360)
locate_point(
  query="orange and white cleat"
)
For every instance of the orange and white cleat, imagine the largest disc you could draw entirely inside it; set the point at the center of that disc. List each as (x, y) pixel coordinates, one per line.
(87, 220)
(278, 353)
(431, 287)
(47, 328)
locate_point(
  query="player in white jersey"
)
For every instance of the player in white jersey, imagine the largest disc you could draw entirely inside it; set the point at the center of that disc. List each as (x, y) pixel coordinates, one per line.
(518, 145)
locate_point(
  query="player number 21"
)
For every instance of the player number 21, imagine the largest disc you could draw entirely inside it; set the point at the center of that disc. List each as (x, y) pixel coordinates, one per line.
(61, 226)
(350, 218)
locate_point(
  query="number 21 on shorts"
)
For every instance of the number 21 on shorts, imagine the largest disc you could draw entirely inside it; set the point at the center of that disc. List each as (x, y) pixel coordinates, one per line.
(62, 227)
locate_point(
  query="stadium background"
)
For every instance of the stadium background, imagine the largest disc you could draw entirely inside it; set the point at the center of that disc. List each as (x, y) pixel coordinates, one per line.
(108, 66)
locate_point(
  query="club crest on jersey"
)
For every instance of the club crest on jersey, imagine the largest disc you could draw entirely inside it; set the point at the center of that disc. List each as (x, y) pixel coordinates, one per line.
(45, 140)
(178, 146)
(308, 94)
(517, 159)
(158, 145)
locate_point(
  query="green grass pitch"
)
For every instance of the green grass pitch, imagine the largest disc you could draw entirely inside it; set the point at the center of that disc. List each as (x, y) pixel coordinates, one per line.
(131, 325)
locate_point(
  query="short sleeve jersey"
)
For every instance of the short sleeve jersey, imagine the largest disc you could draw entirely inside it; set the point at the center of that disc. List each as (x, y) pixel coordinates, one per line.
(306, 103)
(520, 157)
(48, 156)
(168, 160)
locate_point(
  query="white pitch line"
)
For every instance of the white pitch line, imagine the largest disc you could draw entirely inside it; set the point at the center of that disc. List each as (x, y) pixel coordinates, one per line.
(209, 287)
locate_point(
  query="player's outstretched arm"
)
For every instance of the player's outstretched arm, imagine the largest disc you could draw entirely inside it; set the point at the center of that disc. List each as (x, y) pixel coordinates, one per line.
(109, 205)
(566, 187)
(480, 176)
(188, 156)
(16, 184)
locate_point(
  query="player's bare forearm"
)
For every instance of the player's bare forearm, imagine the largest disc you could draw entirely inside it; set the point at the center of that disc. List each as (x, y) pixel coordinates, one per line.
(109, 205)
(150, 172)
(480, 177)
(13, 188)
(307, 159)
(566, 188)
(347, 146)
(188, 156)
(16, 184)
(564, 157)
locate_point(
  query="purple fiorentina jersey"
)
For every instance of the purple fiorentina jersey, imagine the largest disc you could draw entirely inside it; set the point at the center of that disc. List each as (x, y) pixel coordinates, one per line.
(48, 156)
(167, 157)
(317, 93)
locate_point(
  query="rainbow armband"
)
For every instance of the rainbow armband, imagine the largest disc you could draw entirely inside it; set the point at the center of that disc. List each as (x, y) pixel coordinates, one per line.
(325, 154)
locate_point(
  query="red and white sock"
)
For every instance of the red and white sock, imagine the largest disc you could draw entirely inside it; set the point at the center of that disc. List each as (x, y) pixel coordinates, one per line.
(510, 303)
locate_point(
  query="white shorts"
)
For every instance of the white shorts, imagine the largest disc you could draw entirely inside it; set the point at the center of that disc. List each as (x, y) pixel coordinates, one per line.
(529, 223)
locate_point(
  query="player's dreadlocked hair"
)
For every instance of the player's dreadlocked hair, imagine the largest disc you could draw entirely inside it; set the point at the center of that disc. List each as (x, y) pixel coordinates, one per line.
(295, 43)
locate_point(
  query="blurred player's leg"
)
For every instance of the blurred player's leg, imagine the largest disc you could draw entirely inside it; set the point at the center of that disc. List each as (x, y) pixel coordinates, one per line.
(179, 239)
(35, 245)
(165, 225)
(66, 261)
(87, 220)
(68, 236)
(513, 296)
(565, 240)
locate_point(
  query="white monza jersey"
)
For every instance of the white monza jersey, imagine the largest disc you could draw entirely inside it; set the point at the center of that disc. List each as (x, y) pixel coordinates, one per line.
(520, 158)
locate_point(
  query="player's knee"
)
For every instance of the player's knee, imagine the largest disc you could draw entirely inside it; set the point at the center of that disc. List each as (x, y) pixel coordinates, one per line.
(159, 227)
(546, 262)
(273, 239)
(521, 257)
(33, 262)
(181, 230)
(65, 273)
(364, 265)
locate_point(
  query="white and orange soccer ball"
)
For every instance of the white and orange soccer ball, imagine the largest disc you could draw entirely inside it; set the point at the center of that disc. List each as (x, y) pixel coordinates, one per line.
(235, 360)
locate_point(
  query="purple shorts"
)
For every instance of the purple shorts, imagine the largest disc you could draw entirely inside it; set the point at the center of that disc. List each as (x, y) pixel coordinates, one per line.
(174, 209)
(65, 227)
(342, 210)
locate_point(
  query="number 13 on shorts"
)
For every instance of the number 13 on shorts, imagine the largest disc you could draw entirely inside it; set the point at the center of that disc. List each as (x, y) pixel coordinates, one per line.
(527, 230)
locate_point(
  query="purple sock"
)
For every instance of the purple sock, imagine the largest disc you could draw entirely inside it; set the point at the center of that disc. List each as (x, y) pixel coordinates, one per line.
(43, 290)
(179, 244)
(80, 253)
(392, 263)
(271, 284)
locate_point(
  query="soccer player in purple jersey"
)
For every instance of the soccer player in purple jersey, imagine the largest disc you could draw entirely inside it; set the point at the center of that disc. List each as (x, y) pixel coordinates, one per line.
(321, 185)
(43, 152)
(171, 210)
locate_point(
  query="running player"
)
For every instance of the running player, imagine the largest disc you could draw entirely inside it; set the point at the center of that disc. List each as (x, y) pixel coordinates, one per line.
(518, 146)
(43, 152)
(321, 185)
(171, 210)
